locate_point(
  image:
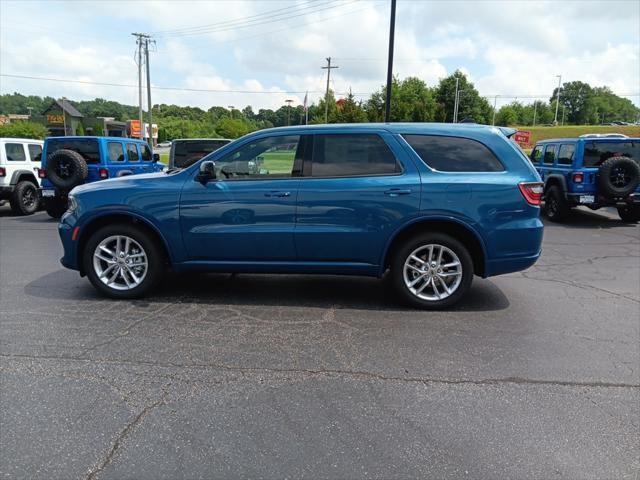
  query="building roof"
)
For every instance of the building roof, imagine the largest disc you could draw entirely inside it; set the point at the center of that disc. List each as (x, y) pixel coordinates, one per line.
(66, 106)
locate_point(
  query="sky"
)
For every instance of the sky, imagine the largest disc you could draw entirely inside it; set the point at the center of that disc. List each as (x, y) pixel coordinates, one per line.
(263, 52)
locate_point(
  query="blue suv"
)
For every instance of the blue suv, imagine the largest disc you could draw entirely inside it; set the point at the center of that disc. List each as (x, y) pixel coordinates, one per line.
(71, 161)
(594, 171)
(433, 204)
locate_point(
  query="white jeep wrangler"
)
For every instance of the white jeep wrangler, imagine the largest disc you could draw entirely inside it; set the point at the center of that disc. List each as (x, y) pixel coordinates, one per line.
(19, 166)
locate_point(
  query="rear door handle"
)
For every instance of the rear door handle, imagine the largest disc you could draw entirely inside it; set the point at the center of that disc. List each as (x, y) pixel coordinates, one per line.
(276, 193)
(394, 192)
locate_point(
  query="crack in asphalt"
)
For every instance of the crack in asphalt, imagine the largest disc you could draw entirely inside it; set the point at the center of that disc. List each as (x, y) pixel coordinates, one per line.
(348, 373)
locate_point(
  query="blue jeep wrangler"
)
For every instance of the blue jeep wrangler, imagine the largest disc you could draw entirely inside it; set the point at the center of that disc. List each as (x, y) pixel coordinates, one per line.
(71, 161)
(594, 171)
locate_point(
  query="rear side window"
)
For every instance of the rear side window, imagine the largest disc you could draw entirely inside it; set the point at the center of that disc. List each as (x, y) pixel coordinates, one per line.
(352, 155)
(549, 154)
(565, 155)
(146, 153)
(536, 155)
(454, 154)
(116, 152)
(14, 152)
(597, 152)
(88, 148)
(35, 152)
(132, 152)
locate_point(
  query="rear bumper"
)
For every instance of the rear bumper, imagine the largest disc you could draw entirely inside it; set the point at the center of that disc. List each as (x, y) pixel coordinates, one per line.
(578, 199)
(510, 265)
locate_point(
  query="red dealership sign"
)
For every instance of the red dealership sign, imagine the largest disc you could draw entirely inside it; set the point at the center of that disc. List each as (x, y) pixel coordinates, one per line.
(522, 137)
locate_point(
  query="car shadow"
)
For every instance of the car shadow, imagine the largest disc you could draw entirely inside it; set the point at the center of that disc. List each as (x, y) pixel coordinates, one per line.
(582, 217)
(360, 293)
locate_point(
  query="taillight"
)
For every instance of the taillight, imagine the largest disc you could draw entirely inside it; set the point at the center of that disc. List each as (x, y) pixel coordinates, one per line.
(532, 192)
(3, 172)
(104, 173)
(42, 173)
(578, 177)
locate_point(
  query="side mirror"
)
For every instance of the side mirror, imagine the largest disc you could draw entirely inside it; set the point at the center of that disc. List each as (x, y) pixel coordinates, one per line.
(207, 171)
(155, 158)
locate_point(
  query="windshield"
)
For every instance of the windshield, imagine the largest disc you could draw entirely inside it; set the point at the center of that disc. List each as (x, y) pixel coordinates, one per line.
(188, 152)
(597, 152)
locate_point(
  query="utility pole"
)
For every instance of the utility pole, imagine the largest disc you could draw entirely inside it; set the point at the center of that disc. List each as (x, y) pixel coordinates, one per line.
(455, 102)
(563, 115)
(460, 92)
(326, 95)
(495, 101)
(555, 119)
(231, 107)
(288, 102)
(392, 34)
(535, 110)
(139, 37)
(146, 56)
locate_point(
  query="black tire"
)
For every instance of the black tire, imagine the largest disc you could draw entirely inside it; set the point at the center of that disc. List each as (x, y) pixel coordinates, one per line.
(630, 214)
(24, 200)
(618, 177)
(556, 207)
(154, 255)
(55, 207)
(405, 250)
(66, 169)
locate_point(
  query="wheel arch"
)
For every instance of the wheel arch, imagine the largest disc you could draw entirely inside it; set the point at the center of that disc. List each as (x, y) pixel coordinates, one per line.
(23, 175)
(557, 180)
(463, 232)
(130, 218)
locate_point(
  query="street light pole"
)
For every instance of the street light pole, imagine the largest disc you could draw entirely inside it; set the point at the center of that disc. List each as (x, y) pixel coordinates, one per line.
(555, 120)
(535, 110)
(455, 102)
(288, 102)
(495, 101)
(392, 31)
(231, 107)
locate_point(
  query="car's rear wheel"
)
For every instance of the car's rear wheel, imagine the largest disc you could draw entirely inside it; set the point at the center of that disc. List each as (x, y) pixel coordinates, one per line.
(24, 200)
(432, 270)
(630, 214)
(556, 207)
(123, 261)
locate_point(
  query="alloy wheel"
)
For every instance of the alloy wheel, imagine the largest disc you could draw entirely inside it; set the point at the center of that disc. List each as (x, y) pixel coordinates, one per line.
(432, 272)
(120, 262)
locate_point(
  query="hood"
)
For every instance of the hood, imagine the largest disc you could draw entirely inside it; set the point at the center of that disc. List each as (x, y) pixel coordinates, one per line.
(117, 182)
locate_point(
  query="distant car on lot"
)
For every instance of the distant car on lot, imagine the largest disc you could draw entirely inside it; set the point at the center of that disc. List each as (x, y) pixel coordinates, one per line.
(19, 164)
(166, 144)
(594, 171)
(433, 203)
(71, 161)
(187, 151)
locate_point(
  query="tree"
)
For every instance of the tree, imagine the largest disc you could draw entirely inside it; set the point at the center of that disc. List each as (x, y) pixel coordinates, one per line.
(319, 116)
(574, 97)
(411, 101)
(23, 130)
(350, 112)
(470, 105)
(233, 127)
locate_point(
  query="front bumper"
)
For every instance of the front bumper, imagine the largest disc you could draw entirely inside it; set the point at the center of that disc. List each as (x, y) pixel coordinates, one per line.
(65, 230)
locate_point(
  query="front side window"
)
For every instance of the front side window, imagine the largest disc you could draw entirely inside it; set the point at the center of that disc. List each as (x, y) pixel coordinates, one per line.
(352, 155)
(14, 152)
(565, 155)
(597, 152)
(549, 154)
(35, 152)
(116, 152)
(132, 152)
(262, 158)
(536, 155)
(87, 148)
(454, 154)
(146, 153)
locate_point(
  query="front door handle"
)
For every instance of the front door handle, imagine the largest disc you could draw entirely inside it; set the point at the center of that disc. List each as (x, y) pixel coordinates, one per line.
(394, 192)
(276, 193)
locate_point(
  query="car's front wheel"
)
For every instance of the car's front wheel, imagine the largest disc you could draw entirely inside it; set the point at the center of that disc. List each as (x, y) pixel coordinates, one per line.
(630, 214)
(432, 270)
(123, 261)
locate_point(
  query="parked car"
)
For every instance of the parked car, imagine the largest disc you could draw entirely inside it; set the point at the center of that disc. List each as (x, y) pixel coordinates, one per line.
(166, 144)
(71, 161)
(432, 203)
(19, 164)
(593, 171)
(187, 151)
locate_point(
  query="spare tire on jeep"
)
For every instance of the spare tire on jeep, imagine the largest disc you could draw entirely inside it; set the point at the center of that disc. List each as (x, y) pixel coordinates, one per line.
(619, 177)
(66, 169)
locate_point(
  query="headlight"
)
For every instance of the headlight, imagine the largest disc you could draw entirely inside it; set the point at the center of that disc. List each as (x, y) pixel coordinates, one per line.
(72, 204)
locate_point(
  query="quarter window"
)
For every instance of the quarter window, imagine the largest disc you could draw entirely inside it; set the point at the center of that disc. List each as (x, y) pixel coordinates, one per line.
(565, 155)
(35, 152)
(116, 152)
(262, 158)
(454, 154)
(352, 155)
(549, 154)
(132, 152)
(15, 152)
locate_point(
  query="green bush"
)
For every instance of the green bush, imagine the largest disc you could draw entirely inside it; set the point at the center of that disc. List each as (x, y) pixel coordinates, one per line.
(23, 130)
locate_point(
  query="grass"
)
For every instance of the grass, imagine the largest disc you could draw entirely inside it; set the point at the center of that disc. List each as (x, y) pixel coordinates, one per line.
(572, 131)
(164, 158)
(279, 161)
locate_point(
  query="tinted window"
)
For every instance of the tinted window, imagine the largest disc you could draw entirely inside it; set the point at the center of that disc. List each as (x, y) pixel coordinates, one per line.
(565, 155)
(15, 152)
(146, 153)
(536, 155)
(262, 158)
(597, 152)
(350, 155)
(132, 152)
(35, 152)
(188, 152)
(549, 154)
(454, 154)
(116, 152)
(88, 148)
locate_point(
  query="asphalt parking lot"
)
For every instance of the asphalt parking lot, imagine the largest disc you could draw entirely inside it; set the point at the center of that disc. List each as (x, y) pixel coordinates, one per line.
(534, 375)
